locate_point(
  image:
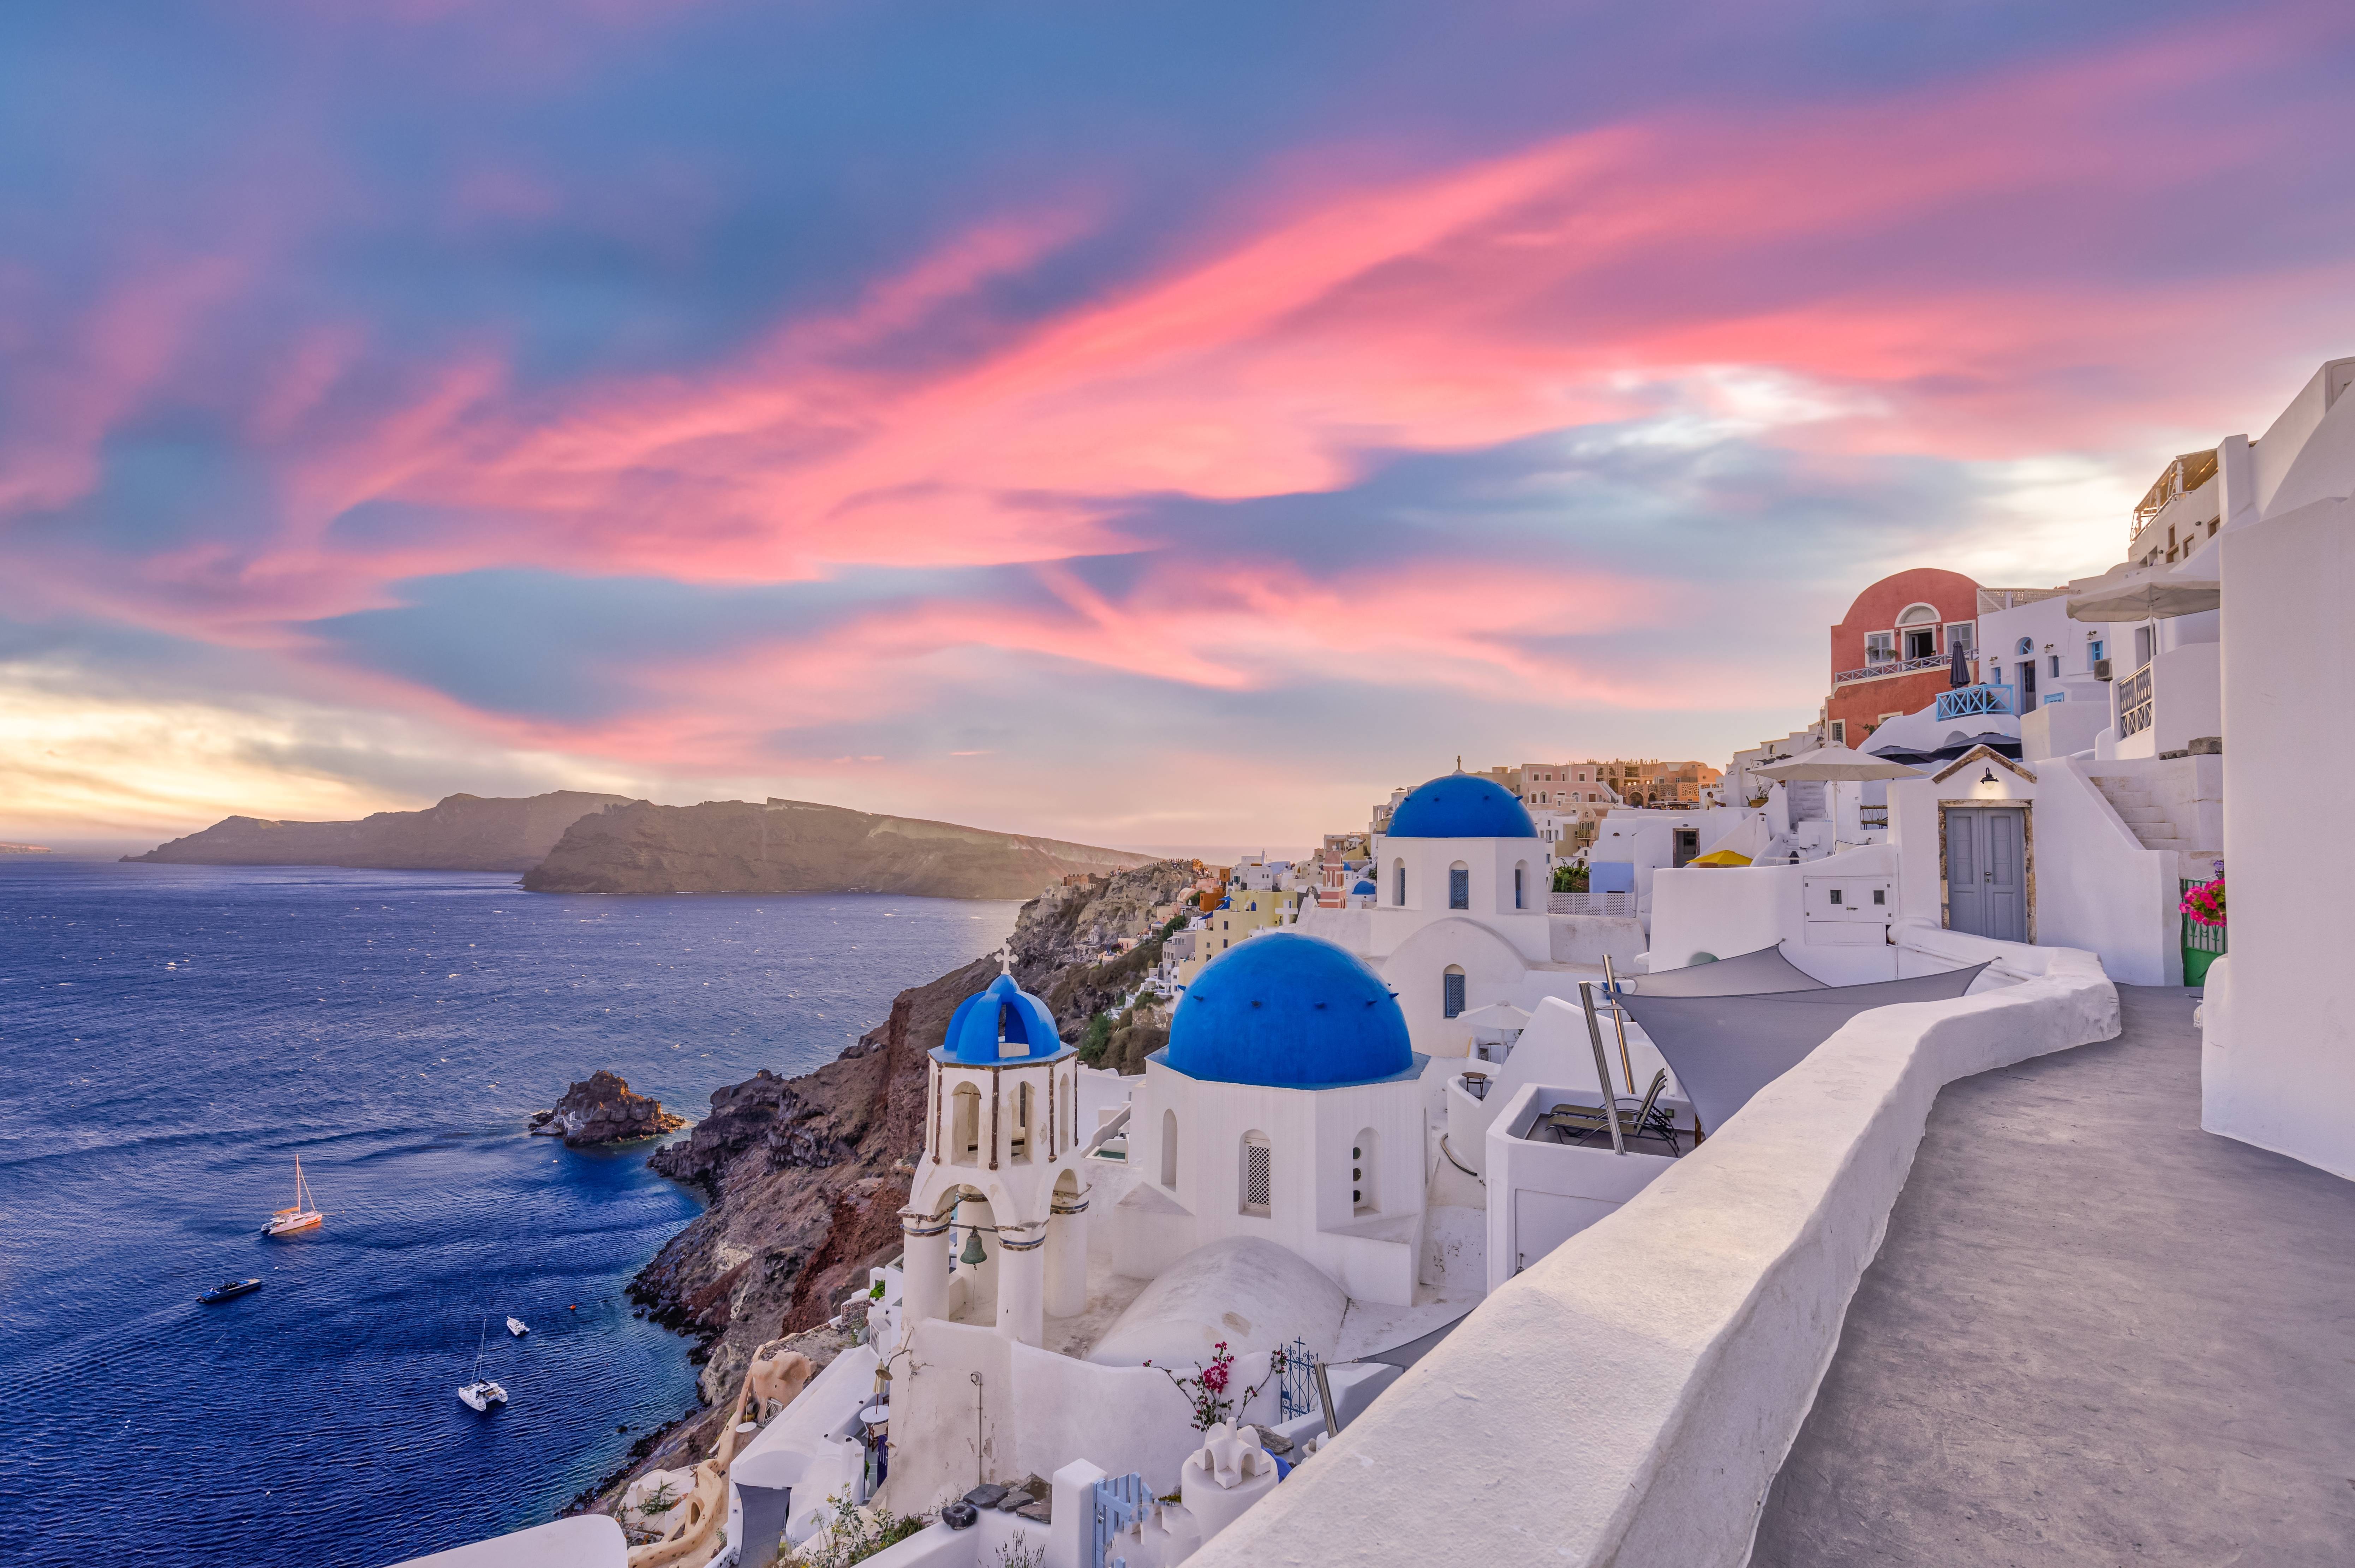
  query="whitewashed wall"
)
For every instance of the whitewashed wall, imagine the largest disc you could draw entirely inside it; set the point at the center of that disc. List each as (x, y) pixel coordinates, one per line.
(2278, 1070)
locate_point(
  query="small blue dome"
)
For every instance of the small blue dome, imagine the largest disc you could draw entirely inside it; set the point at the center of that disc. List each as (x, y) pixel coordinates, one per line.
(1367, 887)
(1461, 806)
(995, 1017)
(1288, 1011)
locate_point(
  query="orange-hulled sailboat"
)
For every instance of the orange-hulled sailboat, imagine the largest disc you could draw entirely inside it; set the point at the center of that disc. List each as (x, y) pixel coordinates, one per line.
(303, 1216)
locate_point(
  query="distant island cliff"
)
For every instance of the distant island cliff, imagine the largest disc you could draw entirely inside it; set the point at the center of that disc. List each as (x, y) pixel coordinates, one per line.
(462, 833)
(801, 846)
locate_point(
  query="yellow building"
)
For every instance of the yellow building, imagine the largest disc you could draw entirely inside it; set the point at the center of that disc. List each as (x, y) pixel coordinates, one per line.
(1244, 913)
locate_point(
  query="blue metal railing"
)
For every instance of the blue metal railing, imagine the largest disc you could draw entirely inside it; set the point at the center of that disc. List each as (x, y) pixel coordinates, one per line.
(1296, 1394)
(1986, 697)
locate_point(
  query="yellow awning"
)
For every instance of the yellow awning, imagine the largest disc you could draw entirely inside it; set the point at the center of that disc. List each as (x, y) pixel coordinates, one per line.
(1720, 858)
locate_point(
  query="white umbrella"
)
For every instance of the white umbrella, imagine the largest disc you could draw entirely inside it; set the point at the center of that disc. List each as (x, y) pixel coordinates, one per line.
(2142, 594)
(1497, 1015)
(1836, 763)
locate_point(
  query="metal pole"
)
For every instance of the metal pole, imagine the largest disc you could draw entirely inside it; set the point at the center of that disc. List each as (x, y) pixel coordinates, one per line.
(1601, 1068)
(1618, 1022)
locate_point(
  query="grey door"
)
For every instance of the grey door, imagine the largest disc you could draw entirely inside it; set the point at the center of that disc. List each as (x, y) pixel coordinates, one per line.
(1986, 871)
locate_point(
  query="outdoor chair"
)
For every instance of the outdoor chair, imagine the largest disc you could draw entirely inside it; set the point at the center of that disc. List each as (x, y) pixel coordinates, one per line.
(1579, 1123)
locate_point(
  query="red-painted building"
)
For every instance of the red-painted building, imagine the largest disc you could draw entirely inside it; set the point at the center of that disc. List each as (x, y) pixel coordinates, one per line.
(1892, 654)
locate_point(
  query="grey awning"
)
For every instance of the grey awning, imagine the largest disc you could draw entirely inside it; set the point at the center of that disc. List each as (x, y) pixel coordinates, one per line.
(1744, 975)
(1724, 1049)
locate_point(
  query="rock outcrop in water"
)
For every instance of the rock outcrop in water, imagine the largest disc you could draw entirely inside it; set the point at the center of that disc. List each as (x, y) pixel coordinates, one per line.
(463, 833)
(604, 1110)
(807, 1176)
(800, 846)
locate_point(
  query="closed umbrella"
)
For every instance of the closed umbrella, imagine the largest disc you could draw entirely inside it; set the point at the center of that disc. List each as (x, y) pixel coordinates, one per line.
(1959, 674)
(1836, 764)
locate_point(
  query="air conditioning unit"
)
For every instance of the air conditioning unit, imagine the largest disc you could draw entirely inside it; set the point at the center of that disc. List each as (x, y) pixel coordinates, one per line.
(2101, 670)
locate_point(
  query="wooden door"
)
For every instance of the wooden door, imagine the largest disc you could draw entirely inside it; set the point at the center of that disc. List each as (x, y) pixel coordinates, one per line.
(1986, 871)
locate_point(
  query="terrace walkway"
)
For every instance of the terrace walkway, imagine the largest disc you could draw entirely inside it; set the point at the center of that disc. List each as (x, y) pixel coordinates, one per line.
(2094, 1335)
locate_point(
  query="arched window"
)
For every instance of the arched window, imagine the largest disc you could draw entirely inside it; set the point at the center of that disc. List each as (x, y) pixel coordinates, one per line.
(1917, 631)
(1451, 992)
(1521, 885)
(1459, 886)
(1256, 1186)
(1363, 1198)
(1170, 1150)
(1021, 1141)
(1398, 878)
(965, 1126)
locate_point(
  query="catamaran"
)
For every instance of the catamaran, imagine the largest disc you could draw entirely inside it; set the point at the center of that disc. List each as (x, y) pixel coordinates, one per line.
(303, 1216)
(482, 1394)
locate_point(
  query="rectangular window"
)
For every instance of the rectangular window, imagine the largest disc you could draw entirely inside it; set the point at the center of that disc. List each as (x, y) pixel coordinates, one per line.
(1880, 647)
(1259, 1162)
(2055, 671)
(1451, 995)
(1459, 889)
(1839, 731)
(1963, 634)
(1518, 876)
(1921, 643)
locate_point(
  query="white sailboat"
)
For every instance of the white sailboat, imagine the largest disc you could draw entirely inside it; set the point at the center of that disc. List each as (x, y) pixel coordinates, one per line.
(304, 1215)
(519, 1328)
(482, 1394)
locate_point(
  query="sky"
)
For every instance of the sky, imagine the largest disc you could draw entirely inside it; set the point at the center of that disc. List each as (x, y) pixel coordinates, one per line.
(1147, 425)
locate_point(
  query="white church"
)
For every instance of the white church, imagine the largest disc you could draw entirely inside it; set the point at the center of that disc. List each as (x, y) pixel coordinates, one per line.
(1457, 921)
(1274, 1186)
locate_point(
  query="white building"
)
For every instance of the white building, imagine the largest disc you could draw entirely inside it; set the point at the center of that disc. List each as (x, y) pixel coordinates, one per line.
(1284, 1107)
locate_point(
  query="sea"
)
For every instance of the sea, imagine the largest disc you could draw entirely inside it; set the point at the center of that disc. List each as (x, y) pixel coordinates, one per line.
(172, 1037)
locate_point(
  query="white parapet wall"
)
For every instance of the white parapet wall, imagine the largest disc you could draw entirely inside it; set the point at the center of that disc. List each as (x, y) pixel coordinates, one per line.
(1628, 1400)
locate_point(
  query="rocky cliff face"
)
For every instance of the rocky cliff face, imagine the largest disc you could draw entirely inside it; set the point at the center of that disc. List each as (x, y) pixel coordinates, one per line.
(604, 1110)
(799, 846)
(463, 833)
(807, 1176)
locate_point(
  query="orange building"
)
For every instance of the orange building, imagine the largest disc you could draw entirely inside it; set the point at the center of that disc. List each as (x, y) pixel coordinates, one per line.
(1892, 653)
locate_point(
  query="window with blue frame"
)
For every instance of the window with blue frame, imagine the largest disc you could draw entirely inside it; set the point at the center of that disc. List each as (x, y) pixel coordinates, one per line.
(1451, 993)
(1459, 890)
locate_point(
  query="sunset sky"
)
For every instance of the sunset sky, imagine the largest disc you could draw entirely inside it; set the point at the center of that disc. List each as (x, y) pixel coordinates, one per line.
(1152, 424)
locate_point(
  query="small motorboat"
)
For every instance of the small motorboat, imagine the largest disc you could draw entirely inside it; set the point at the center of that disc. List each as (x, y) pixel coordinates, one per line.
(482, 1394)
(519, 1328)
(228, 1290)
(303, 1216)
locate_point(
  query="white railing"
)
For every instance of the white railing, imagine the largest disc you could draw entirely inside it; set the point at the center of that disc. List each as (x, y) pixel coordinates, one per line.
(1896, 667)
(1591, 903)
(2134, 703)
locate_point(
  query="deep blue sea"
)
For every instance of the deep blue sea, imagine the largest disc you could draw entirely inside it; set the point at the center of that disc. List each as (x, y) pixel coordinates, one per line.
(171, 1036)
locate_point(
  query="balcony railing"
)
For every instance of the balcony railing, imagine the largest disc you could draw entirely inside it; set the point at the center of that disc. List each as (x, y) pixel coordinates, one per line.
(2134, 703)
(1965, 700)
(1893, 667)
(1591, 903)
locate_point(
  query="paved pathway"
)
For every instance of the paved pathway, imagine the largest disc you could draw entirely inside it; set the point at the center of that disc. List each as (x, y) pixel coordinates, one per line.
(2094, 1335)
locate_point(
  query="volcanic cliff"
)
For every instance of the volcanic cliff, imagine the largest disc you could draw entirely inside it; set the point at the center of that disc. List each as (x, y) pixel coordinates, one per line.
(461, 833)
(807, 1176)
(801, 846)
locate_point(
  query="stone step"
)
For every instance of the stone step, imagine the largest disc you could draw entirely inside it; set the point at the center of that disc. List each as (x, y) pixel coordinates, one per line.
(2140, 815)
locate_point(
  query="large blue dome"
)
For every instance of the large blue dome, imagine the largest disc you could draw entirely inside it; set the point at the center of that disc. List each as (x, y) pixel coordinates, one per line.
(1288, 1011)
(1000, 1023)
(1461, 806)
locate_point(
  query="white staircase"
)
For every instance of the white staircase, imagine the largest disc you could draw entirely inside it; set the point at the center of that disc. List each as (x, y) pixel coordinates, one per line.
(2147, 820)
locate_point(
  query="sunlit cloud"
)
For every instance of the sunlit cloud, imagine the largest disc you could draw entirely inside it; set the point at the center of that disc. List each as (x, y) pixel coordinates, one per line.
(630, 416)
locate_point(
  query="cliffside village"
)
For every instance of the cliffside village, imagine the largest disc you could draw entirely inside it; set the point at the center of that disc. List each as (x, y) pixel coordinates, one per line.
(1514, 1159)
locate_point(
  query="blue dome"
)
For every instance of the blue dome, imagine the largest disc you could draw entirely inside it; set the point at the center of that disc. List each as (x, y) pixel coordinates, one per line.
(1367, 888)
(1288, 1011)
(1461, 806)
(995, 1017)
